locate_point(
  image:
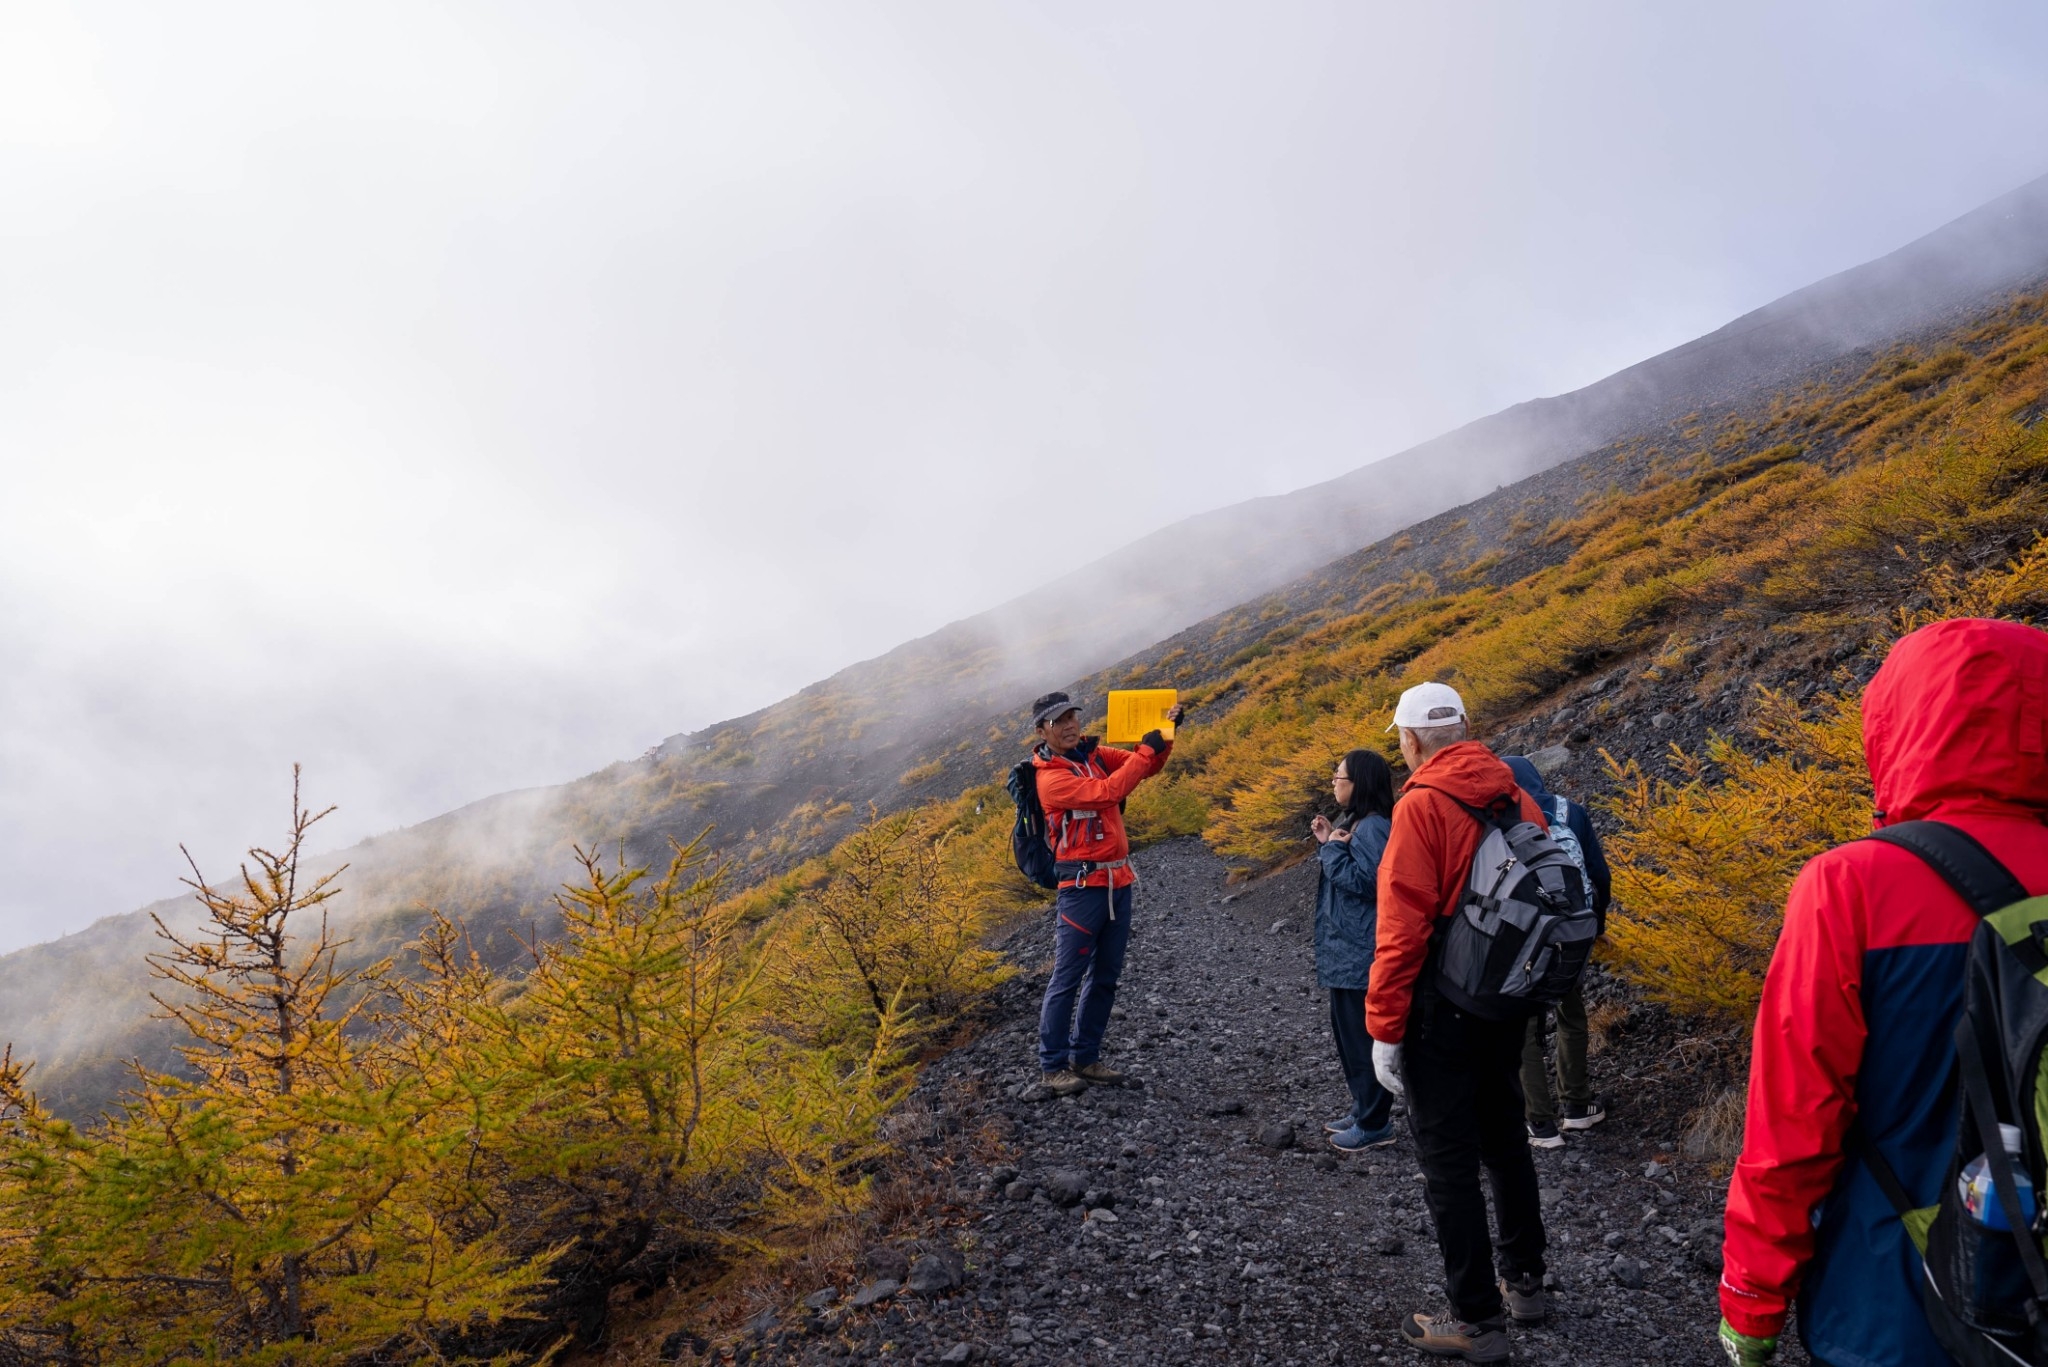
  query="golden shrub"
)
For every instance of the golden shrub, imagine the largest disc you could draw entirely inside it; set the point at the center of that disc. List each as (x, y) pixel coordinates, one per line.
(1162, 808)
(1702, 863)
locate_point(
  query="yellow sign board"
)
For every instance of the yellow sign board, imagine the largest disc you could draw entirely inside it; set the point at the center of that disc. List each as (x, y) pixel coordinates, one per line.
(1134, 711)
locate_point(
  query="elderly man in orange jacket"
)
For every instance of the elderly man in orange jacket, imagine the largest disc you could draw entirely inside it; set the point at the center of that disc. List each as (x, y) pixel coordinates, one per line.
(1461, 1073)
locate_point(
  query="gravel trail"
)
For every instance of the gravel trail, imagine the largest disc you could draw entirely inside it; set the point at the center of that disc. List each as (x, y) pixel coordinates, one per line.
(1200, 1216)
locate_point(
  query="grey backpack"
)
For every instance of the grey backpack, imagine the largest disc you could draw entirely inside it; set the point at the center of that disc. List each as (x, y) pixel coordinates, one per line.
(1559, 815)
(1520, 937)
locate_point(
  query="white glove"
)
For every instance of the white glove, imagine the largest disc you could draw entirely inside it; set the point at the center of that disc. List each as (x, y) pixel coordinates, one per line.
(1386, 1066)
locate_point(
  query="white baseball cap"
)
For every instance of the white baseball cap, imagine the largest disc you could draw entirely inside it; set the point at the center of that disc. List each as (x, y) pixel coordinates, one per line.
(1427, 705)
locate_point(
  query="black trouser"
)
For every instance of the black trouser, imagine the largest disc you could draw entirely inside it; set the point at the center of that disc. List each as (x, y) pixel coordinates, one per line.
(1370, 1102)
(1465, 1110)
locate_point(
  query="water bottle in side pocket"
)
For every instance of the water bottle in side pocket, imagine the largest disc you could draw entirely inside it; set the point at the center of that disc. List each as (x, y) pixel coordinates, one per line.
(1980, 1192)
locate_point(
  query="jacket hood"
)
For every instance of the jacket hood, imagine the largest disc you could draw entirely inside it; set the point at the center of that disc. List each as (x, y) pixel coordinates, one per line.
(1467, 771)
(1042, 755)
(1957, 720)
(1527, 775)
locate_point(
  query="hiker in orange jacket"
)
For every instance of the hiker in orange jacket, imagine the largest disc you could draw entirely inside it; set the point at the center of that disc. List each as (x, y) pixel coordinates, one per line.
(1460, 1073)
(1082, 785)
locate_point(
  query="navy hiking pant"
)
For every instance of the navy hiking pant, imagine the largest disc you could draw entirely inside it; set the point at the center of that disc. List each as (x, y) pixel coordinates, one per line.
(1370, 1102)
(1087, 959)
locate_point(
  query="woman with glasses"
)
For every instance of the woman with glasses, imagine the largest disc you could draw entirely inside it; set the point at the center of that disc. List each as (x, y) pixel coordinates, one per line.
(1347, 918)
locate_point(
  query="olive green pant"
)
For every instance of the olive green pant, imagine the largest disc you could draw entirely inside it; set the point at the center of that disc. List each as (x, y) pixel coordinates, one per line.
(1571, 1061)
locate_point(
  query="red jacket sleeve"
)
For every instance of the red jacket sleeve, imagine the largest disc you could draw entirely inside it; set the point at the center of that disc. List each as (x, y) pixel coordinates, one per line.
(1062, 788)
(1409, 893)
(1802, 1078)
(1114, 759)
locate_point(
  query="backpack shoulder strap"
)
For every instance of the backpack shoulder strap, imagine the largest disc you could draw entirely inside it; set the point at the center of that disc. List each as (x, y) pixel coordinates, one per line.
(1503, 811)
(1986, 886)
(1857, 1142)
(1977, 877)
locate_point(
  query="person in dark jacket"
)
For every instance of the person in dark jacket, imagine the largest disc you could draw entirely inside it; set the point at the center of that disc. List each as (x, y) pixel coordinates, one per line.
(1582, 1110)
(1347, 918)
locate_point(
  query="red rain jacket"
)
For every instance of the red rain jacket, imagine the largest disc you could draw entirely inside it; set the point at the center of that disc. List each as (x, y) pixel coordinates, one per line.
(1862, 997)
(1428, 862)
(1082, 798)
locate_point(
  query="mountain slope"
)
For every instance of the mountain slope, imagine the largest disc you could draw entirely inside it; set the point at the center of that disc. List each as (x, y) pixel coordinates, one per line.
(987, 666)
(1207, 563)
(940, 714)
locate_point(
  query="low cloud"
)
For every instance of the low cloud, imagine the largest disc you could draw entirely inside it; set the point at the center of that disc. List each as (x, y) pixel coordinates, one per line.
(457, 399)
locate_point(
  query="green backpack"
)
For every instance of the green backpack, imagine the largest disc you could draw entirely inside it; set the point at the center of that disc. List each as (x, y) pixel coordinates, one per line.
(1986, 1289)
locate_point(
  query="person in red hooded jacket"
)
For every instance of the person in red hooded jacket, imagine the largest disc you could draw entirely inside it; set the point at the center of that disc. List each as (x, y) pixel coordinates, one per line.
(1462, 1074)
(1861, 1000)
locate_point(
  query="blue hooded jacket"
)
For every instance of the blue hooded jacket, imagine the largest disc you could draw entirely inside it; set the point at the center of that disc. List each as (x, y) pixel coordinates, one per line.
(1347, 904)
(1581, 823)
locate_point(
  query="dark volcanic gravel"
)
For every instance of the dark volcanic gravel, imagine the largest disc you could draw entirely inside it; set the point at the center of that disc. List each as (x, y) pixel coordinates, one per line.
(1201, 1217)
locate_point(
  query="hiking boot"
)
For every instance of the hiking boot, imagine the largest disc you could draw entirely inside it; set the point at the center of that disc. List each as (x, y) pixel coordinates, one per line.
(1066, 1082)
(1357, 1139)
(1583, 1117)
(1346, 1121)
(1544, 1135)
(1450, 1337)
(1527, 1301)
(1101, 1072)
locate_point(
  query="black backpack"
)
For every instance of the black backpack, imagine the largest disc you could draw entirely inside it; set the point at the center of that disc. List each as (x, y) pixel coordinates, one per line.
(1520, 938)
(1986, 1290)
(1029, 844)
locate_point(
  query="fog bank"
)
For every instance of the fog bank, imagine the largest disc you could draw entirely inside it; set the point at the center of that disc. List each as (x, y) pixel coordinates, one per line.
(457, 398)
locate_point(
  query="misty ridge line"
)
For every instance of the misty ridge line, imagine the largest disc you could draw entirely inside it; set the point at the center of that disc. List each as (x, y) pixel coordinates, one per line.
(780, 784)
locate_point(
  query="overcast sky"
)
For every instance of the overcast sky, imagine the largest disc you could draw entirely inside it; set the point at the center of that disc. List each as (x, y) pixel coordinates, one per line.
(458, 398)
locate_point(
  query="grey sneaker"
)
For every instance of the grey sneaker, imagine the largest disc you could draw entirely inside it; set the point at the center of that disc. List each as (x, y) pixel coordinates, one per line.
(1101, 1072)
(1527, 1301)
(1066, 1082)
(1450, 1337)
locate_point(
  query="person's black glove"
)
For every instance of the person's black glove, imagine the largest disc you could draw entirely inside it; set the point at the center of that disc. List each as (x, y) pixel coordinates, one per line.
(1153, 739)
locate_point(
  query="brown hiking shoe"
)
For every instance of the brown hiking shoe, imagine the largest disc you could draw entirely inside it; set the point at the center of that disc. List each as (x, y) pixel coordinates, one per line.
(1066, 1082)
(1101, 1072)
(1527, 1301)
(1450, 1337)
